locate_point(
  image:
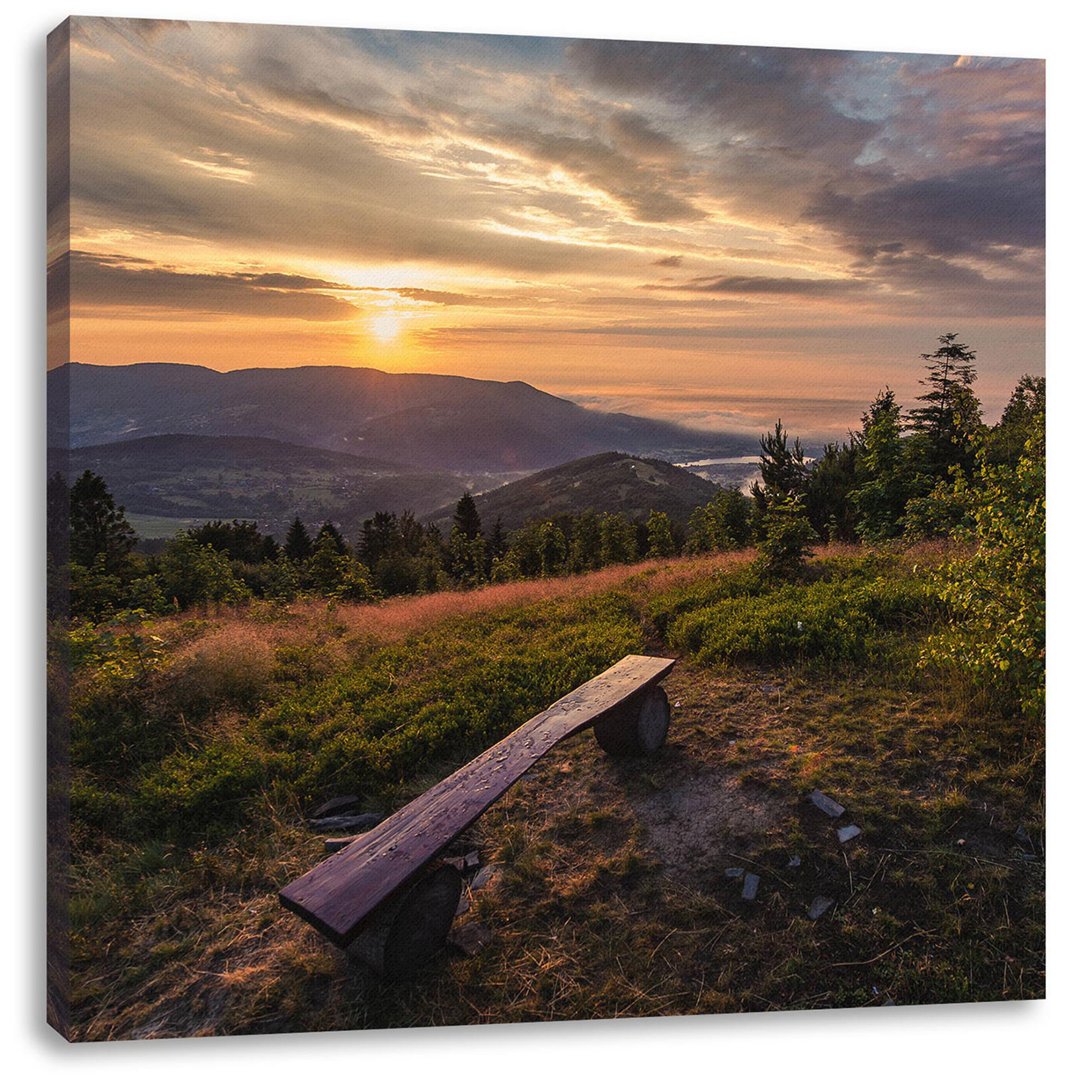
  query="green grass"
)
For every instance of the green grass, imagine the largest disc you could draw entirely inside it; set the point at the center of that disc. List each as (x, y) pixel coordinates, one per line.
(194, 764)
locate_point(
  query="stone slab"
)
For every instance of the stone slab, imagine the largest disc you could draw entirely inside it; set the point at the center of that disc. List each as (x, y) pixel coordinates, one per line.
(750, 886)
(823, 802)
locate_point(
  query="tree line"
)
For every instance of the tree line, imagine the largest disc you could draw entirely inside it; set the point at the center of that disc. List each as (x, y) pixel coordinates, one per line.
(898, 477)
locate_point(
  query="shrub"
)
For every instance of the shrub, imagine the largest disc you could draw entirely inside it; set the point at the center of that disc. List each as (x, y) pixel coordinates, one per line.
(191, 573)
(232, 668)
(827, 621)
(787, 542)
(997, 595)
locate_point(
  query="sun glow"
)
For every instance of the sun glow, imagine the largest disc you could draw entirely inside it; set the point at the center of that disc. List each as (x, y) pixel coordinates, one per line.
(387, 327)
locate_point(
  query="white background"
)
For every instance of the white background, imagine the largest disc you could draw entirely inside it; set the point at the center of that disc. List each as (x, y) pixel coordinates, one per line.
(963, 1041)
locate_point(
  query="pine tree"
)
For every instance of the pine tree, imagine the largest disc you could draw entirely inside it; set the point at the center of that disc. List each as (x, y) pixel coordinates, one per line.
(951, 419)
(884, 476)
(783, 469)
(828, 492)
(466, 518)
(298, 545)
(661, 541)
(330, 531)
(98, 529)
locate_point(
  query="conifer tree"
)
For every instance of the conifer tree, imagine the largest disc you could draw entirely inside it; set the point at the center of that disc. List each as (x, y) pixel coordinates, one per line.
(298, 545)
(783, 469)
(466, 518)
(331, 531)
(661, 541)
(950, 420)
(99, 531)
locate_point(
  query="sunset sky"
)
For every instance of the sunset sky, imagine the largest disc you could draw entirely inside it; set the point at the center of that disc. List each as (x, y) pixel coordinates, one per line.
(714, 234)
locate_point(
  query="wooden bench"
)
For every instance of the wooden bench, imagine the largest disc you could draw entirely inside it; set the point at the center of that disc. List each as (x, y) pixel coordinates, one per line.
(387, 899)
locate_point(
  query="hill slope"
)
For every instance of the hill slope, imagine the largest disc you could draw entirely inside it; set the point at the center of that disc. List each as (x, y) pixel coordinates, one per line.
(612, 482)
(431, 421)
(180, 478)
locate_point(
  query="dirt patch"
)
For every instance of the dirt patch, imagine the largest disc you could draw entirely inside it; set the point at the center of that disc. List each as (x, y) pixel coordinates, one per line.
(698, 825)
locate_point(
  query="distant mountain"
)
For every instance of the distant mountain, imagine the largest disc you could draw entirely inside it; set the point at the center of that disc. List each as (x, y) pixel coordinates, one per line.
(165, 482)
(613, 483)
(441, 422)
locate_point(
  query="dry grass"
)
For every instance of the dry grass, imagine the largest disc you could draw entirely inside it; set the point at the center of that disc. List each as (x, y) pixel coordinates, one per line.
(236, 647)
(396, 619)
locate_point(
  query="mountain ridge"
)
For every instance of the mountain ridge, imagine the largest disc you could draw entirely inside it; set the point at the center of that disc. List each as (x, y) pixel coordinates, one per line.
(453, 422)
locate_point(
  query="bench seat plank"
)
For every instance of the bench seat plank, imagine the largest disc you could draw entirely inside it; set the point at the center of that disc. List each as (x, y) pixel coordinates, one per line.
(337, 895)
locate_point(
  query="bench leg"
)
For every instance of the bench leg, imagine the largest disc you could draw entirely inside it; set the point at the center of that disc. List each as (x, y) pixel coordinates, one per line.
(408, 931)
(638, 727)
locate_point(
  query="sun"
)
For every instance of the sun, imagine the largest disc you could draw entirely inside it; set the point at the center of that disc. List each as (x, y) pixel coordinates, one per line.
(386, 328)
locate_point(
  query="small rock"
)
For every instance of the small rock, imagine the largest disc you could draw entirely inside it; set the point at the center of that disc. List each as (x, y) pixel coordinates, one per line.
(848, 832)
(750, 886)
(794, 861)
(887, 1001)
(823, 802)
(334, 806)
(1021, 835)
(734, 872)
(470, 938)
(483, 876)
(961, 842)
(463, 904)
(465, 864)
(820, 905)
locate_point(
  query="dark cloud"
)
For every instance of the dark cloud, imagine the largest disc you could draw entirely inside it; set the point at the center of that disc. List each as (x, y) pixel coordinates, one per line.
(669, 260)
(319, 104)
(919, 282)
(646, 192)
(637, 138)
(747, 285)
(113, 281)
(766, 96)
(975, 210)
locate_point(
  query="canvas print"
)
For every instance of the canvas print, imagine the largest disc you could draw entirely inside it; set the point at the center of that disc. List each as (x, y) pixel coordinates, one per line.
(539, 529)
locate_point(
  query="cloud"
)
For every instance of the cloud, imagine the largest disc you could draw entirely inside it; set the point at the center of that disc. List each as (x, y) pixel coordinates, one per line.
(438, 296)
(974, 210)
(746, 285)
(643, 190)
(110, 282)
(760, 97)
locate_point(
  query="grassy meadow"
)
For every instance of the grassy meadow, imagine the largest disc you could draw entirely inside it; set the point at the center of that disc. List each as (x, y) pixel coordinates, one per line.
(201, 739)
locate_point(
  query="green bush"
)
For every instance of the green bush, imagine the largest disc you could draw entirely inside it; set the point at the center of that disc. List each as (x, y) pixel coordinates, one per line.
(997, 595)
(787, 542)
(190, 573)
(826, 621)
